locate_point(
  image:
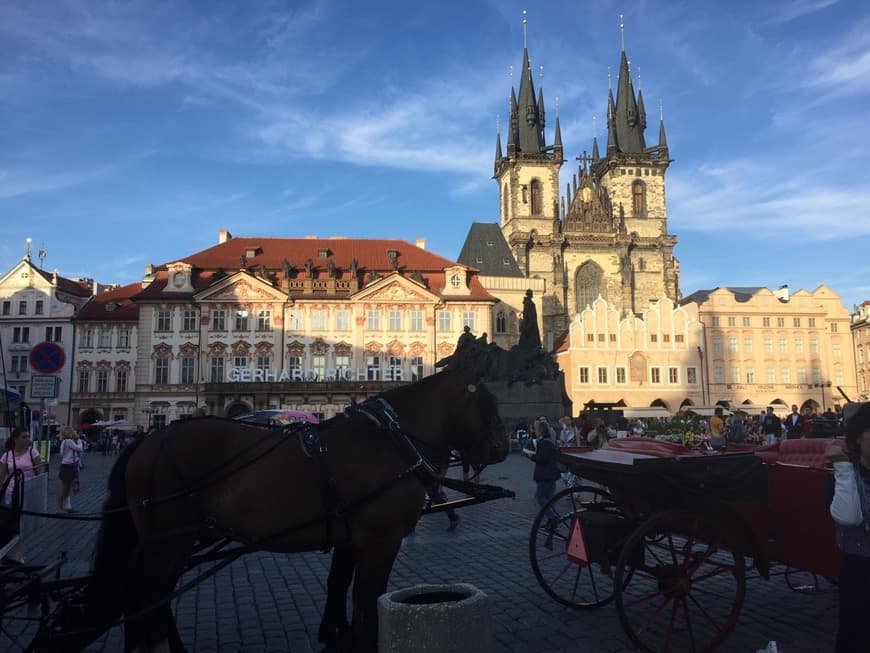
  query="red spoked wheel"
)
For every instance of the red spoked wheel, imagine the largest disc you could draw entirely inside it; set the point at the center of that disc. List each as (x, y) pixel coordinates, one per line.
(686, 589)
(587, 525)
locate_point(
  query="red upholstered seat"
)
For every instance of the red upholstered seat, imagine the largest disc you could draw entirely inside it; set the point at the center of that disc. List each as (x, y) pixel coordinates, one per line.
(648, 446)
(807, 452)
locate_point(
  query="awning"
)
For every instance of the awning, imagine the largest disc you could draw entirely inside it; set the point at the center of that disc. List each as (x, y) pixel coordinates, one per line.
(651, 411)
(749, 409)
(705, 411)
(10, 398)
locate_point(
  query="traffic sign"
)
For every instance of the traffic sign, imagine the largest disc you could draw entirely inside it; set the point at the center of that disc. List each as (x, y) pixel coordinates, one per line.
(47, 358)
(43, 386)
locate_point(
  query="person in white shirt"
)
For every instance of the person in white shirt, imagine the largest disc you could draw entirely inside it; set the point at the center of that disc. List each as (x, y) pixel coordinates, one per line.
(71, 449)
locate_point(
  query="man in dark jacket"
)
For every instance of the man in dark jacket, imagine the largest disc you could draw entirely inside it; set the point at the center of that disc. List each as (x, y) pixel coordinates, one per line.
(546, 466)
(771, 427)
(794, 424)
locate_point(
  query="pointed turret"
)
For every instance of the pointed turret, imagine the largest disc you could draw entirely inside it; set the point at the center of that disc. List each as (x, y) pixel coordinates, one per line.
(557, 139)
(595, 156)
(512, 127)
(498, 154)
(611, 124)
(541, 114)
(625, 119)
(663, 141)
(641, 112)
(529, 129)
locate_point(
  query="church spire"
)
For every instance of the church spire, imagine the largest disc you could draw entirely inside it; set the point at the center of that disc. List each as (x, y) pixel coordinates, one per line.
(626, 117)
(595, 155)
(512, 126)
(498, 154)
(529, 128)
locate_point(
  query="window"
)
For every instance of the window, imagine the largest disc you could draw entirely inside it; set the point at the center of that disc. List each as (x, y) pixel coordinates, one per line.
(770, 375)
(219, 320)
(342, 367)
(241, 320)
(40, 305)
(750, 375)
(444, 320)
(780, 322)
(692, 375)
(342, 320)
(798, 346)
(811, 322)
(416, 368)
(588, 284)
(717, 345)
(161, 371)
(240, 362)
(22, 307)
(583, 375)
(797, 322)
(732, 321)
(102, 381)
(318, 319)
(833, 327)
(718, 374)
(394, 369)
(537, 200)
(677, 338)
(395, 320)
(715, 321)
(164, 321)
(373, 368)
(735, 375)
(785, 375)
(655, 375)
(19, 364)
(264, 320)
(768, 345)
(187, 365)
(802, 375)
(373, 320)
(21, 334)
(53, 334)
(747, 346)
(839, 377)
(817, 375)
(263, 363)
(294, 365)
(673, 375)
(216, 369)
(783, 346)
(123, 338)
(620, 375)
(7, 308)
(468, 319)
(765, 321)
(602, 375)
(747, 321)
(590, 337)
(732, 345)
(86, 339)
(104, 338)
(294, 320)
(666, 337)
(318, 366)
(416, 320)
(653, 337)
(835, 350)
(188, 321)
(121, 381)
(638, 199)
(84, 384)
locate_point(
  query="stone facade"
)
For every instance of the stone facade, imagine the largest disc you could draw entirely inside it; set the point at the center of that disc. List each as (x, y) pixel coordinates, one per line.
(861, 341)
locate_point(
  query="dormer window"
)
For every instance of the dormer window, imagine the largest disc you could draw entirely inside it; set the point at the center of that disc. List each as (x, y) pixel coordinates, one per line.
(323, 253)
(490, 243)
(479, 260)
(455, 281)
(392, 254)
(251, 252)
(111, 307)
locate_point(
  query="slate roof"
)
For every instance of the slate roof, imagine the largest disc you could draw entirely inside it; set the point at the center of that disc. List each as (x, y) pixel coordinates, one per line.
(486, 249)
(76, 288)
(114, 305)
(741, 294)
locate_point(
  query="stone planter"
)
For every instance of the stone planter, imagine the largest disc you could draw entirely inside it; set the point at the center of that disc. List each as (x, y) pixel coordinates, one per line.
(444, 618)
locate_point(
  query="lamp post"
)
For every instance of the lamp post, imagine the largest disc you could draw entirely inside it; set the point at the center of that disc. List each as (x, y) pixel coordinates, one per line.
(148, 413)
(826, 384)
(701, 359)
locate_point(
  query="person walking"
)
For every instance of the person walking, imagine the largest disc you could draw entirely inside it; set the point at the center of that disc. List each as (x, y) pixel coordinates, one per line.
(850, 509)
(794, 424)
(546, 472)
(19, 455)
(771, 427)
(71, 449)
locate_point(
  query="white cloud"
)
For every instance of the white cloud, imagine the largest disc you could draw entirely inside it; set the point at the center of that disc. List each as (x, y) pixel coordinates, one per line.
(786, 12)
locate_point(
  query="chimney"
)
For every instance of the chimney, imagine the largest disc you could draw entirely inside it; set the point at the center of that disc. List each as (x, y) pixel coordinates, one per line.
(224, 236)
(781, 293)
(420, 243)
(149, 275)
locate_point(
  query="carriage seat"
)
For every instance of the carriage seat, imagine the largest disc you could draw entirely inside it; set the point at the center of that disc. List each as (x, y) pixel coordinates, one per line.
(648, 446)
(807, 452)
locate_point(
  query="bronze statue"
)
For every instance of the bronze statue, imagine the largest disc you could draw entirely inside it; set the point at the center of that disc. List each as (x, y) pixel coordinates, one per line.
(530, 336)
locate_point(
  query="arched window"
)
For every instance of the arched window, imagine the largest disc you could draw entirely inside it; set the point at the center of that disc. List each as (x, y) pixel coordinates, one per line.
(504, 203)
(536, 197)
(638, 199)
(587, 284)
(500, 322)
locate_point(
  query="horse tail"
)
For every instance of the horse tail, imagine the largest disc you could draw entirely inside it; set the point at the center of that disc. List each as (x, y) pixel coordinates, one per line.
(79, 623)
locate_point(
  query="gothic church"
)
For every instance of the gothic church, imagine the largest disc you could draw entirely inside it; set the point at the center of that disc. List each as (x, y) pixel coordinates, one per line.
(607, 235)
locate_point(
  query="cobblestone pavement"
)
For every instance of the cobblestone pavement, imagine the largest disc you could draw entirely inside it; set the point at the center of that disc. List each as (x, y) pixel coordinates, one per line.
(272, 602)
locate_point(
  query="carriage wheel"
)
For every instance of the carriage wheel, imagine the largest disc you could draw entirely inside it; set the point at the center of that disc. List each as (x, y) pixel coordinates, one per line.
(686, 590)
(572, 582)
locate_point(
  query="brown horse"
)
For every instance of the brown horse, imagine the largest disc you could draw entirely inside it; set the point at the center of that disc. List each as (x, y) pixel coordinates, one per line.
(356, 482)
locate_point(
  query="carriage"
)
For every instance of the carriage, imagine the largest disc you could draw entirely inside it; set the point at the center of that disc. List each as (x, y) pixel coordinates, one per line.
(670, 535)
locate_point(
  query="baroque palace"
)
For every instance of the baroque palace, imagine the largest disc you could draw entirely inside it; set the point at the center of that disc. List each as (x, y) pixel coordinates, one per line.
(314, 324)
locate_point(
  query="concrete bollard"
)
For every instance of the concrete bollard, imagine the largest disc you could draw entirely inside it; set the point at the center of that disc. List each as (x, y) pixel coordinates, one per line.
(446, 618)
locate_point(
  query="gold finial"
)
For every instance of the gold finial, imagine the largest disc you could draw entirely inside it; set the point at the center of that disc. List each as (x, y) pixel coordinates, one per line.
(661, 110)
(609, 79)
(541, 73)
(525, 29)
(622, 31)
(638, 78)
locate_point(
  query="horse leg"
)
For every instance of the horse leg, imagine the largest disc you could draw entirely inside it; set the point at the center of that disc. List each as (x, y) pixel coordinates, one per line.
(334, 627)
(374, 563)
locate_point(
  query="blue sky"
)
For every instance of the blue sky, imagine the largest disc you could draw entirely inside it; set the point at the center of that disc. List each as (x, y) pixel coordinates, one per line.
(131, 132)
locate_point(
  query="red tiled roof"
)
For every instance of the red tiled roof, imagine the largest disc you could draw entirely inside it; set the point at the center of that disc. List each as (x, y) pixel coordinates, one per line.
(270, 253)
(125, 309)
(77, 288)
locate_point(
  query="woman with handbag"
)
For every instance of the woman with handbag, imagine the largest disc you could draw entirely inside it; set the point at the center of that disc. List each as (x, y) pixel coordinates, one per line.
(70, 459)
(850, 509)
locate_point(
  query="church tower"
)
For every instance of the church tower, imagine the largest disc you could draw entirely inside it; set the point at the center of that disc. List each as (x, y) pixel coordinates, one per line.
(607, 236)
(528, 178)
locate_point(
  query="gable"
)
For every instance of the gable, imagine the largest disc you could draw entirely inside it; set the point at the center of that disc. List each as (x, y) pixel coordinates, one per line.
(239, 288)
(395, 288)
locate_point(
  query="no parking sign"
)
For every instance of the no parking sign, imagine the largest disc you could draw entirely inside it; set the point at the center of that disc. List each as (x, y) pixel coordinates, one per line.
(47, 358)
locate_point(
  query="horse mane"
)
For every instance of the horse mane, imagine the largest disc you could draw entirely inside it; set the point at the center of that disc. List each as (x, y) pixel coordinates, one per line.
(458, 377)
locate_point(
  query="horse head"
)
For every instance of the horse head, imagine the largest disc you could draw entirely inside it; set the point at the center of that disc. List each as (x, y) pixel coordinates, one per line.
(480, 434)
